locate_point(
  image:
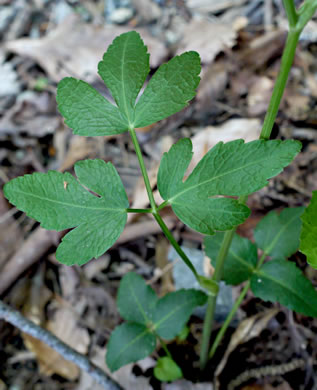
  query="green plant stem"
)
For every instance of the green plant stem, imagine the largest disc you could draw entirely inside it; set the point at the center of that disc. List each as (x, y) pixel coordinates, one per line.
(208, 322)
(143, 169)
(291, 13)
(162, 205)
(228, 320)
(149, 211)
(177, 248)
(287, 61)
(164, 346)
(154, 209)
(233, 311)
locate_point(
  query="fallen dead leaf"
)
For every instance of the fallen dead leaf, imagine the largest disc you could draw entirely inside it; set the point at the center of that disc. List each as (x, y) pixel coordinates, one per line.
(187, 385)
(74, 48)
(124, 376)
(211, 6)
(197, 36)
(64, 325)
(247, 129)
(259, 95)
(161, 260)
(249, 328)
(10, 233)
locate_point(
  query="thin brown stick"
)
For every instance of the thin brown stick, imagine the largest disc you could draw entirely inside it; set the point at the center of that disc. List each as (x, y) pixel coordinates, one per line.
(18, 320)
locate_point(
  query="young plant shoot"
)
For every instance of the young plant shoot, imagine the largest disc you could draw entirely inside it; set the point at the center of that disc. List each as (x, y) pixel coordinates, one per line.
(212, 200)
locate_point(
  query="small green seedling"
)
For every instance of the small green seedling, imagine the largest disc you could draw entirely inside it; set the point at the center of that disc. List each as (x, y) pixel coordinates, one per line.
(148, 318)
(212, 200)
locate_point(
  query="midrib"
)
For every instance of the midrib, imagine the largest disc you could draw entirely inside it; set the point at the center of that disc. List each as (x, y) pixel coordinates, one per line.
(68, 204)
(123, 84)
(214, 178)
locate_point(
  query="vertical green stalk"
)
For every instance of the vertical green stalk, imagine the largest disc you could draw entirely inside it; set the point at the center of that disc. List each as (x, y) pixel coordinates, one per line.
(143, 169)
(211, 305)
(286, 63)
(291, 13)
(154, 209)
(228, 320)
(235, 307)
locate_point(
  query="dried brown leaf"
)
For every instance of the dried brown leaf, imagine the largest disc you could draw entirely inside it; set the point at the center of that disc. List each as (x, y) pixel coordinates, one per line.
(74, 48)
(207, 38)
(64, 325)
(249, 328)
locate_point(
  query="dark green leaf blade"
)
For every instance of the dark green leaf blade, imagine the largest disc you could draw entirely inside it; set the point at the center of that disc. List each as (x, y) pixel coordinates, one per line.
(232, 169)
(237, 168)
(174, 309)
(103, 179)
(308, 236)
(124, 68)
(86, 111)
(58, 201)
(210, 214)
(136, 300)
(173, 166)
(240, 261)
(167, 370)
(278, 234)
(281, 281)
(129, 343)
(169, 90)
(92, 238)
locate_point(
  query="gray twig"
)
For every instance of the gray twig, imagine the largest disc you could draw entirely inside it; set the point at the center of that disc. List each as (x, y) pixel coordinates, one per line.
(18, 320)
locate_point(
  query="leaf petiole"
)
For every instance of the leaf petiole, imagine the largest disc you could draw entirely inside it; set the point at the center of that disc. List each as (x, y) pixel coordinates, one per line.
(143, 169)
(162, 205)
(148, 211)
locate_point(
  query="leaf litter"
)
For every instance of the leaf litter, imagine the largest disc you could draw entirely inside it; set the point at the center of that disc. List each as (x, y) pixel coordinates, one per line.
(239, 94)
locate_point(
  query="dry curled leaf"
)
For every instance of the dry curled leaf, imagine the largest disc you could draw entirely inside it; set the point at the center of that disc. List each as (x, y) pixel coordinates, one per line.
(248, 328)
(197, 37)
(77, 47)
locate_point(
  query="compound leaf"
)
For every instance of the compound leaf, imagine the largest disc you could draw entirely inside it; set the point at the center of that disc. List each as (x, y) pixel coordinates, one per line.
(136, 300)
(240, 261)
(128, 343)
(59, 201)
(124, 68)
(167, 370)
(308, 236)
(232, 169)
(86, 111)
(173, 311)
(169, 90)
(281, 281)
(278, 234)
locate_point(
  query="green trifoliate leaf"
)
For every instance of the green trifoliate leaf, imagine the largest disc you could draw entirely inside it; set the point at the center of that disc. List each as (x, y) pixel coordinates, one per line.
(232, 169)
(173, 311)
(59, 201)
(136, 300)
(124, 68)
(281, 281)
(128, 343)
(278, 234)
(86, 111)
(165, 317)
(167, 370)
(240, 261)
(308, 236)
(169, 90)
